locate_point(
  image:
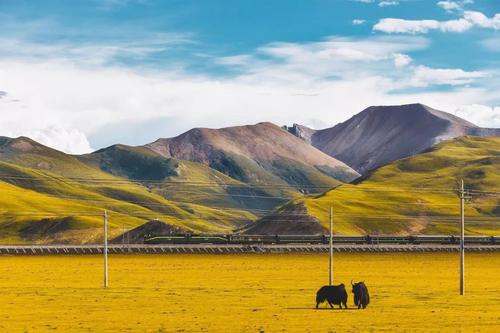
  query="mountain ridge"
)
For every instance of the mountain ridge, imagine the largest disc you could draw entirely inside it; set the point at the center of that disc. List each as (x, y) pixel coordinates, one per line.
(220, 180)
(381, 134)
(254, 153)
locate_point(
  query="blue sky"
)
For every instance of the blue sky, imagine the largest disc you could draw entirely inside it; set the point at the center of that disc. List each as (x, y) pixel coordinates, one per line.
(80, 75)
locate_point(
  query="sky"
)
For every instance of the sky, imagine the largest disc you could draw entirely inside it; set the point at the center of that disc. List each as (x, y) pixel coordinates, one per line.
(83, 75)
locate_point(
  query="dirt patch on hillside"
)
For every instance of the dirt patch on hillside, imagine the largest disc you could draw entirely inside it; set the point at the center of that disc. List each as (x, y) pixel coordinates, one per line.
(291, 219)
(137, 235)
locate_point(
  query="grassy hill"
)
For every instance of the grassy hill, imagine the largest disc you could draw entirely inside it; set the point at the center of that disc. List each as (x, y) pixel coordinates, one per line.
(183, 181)
(416, 195)
(47, 197)
(52, 197)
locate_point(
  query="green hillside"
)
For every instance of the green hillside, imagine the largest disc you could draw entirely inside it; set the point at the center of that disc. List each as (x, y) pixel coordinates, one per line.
(184, 181)
(52, 197)
(48, 196)
(416, 195)
(32, 199)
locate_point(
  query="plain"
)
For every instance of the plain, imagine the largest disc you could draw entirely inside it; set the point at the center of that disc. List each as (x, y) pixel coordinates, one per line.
(248, 293)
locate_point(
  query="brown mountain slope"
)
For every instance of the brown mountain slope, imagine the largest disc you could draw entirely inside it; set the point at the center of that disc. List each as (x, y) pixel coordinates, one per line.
(262, 153)
(381, 134)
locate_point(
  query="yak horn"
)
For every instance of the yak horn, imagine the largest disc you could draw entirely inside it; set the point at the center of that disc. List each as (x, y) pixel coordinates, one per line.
(352, 284)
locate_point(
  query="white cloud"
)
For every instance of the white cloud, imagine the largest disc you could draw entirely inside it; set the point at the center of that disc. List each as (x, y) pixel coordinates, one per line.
(401, 60)
(336, 52)
(481, 20)
(281, 82)
(242, 60)
(393, 25)
(358, 21)
(71, 141)
(470, 19)
(92, 53)
(68, 140)
(449, 5)
(387, 3)
(481, 115)
(424, 76)
(492, 44)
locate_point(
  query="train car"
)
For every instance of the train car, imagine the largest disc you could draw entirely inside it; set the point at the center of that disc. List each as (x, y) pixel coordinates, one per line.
(254, 239)
(167, 239)
(187, 239)
(347, 239)
(315, 239)
(300, 239)
(434, 239)
(481, 240)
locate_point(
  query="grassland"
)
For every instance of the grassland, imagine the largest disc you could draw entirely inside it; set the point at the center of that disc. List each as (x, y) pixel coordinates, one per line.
(52, 197)
(252, 293)
(34, 202)
(415, 194)
(47, 196)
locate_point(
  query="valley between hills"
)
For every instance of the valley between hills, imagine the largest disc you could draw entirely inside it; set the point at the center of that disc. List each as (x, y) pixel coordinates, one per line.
(387, 170)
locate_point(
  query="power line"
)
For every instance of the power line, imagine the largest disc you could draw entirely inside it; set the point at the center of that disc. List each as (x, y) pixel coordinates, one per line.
(253, 185)
(270, 217)
(162, 182)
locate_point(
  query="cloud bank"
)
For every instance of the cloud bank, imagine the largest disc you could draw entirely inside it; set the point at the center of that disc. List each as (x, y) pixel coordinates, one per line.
(65, 103)
(468, 20)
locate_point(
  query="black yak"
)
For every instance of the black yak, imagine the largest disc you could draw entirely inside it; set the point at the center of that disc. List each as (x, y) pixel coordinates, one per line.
(333, 295)
(361, 296)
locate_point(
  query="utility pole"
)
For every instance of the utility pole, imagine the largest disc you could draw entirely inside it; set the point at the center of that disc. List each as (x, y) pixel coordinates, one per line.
(105, 251)
(462, 238)
(330, 275)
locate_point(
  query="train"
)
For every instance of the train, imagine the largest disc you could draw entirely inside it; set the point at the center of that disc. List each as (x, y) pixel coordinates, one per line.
(240, 239)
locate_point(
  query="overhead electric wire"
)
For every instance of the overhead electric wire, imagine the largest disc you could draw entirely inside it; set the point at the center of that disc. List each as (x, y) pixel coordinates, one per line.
(391, 216)
(201, 184)
(279, 214)
(156, 216)
(159, 204)
(163, 182)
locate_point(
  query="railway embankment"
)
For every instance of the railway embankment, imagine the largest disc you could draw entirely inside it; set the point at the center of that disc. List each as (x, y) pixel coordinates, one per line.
(233, 249)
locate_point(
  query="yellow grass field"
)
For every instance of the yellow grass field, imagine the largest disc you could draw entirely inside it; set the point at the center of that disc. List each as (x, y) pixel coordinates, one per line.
(246, 293)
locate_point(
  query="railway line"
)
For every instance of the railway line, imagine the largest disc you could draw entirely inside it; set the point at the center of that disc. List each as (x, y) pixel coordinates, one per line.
(233, 249)
(238, 244)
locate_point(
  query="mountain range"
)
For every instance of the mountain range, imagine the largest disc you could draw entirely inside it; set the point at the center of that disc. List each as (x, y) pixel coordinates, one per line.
(381, 134)
(209, 181)
(254, 178)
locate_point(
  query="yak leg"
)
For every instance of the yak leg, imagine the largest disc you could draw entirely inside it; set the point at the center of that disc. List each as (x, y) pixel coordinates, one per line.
(345, 305)
(331, 305)
(317, 305)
